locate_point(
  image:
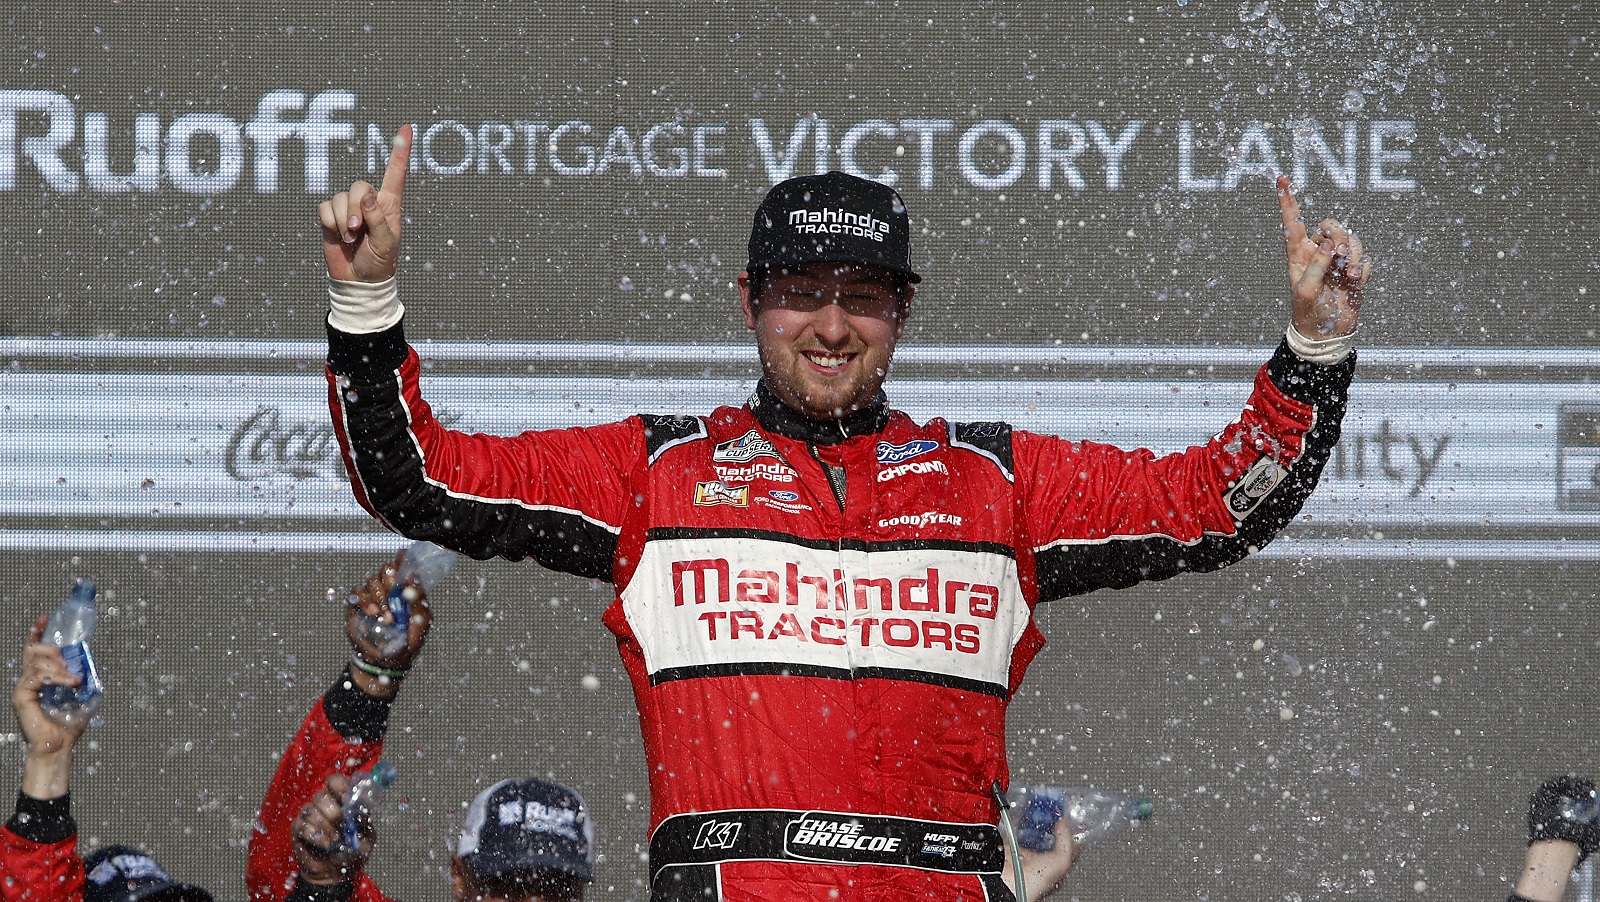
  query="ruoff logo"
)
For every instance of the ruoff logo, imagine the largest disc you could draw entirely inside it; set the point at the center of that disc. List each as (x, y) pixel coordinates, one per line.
(745, 448)
(894, 454)
(717, 834)
(707, 494)
(834, 221)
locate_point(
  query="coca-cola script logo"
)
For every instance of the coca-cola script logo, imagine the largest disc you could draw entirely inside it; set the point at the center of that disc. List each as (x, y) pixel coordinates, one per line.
(265, 444)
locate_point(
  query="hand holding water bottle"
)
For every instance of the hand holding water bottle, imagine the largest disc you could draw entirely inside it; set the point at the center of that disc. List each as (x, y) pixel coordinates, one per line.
(47, 767)
(334, 834)
(387, 618)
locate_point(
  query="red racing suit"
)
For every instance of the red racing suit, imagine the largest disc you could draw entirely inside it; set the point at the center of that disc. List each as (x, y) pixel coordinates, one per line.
(823, 621)
(342, 733)
(39, 853)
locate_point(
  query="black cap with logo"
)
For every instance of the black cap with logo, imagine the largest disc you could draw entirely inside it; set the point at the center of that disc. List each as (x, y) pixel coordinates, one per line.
(527, 826)
(832, 218)
(124, 874)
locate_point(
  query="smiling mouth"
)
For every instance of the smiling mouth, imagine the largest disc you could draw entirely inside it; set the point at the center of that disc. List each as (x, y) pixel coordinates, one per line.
(826, 360)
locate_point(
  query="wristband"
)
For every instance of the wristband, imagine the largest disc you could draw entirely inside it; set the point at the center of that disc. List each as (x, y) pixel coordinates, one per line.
(1324, 351)
(363, 665)
(363, 307)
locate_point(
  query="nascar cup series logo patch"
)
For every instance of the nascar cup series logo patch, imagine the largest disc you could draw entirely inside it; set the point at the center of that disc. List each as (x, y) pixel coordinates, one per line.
(745, 448)
(707, 494)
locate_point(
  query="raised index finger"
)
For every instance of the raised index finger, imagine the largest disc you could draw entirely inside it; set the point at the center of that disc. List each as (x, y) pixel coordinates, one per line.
(394, 177)
(1293, 228)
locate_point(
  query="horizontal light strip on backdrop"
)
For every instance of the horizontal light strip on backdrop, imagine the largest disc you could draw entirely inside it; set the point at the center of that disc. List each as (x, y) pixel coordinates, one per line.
(1285, 548)
(1482, 460)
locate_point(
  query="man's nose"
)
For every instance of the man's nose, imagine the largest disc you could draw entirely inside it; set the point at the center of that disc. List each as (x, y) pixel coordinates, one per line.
(831, 323)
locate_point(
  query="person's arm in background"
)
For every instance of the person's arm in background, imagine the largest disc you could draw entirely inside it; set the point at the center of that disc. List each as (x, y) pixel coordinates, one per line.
(1557, 842)
(343, 733)
(39, 845)
(1044, 872)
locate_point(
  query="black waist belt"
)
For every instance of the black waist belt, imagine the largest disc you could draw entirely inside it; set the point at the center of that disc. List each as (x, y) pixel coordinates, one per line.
(824, 837)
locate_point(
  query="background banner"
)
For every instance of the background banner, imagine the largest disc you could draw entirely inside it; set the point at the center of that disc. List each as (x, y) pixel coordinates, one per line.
(1362, 709)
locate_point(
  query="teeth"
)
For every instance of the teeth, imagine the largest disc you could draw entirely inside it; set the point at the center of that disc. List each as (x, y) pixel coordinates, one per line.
(827, 361)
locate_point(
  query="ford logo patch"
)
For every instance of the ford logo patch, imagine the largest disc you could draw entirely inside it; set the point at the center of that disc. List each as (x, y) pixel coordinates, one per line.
(893, 454)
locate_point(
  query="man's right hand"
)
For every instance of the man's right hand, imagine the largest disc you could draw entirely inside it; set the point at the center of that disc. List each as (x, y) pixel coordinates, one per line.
(322, 858)
(361, 227)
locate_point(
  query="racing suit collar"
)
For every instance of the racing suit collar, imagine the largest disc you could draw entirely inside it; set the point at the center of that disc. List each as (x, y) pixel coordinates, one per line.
(779, 417)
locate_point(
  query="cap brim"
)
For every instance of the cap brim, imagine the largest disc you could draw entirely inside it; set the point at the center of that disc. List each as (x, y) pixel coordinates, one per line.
(831, 258)
(526, 866)
(174, 892)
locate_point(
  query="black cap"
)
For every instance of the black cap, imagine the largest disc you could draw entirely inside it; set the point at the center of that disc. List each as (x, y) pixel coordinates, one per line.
(524, 826)
(125, 874)
(832, 218)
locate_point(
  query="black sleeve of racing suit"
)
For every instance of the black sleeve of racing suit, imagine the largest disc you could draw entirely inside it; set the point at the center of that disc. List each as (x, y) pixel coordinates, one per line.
(1073, 569)
(381, 419)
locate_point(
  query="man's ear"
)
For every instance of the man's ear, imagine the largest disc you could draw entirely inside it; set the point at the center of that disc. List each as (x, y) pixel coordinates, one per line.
(905, 311)
(746, 303)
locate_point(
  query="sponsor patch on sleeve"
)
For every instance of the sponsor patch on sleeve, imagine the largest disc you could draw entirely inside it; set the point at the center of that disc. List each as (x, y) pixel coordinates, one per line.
(1257, 483)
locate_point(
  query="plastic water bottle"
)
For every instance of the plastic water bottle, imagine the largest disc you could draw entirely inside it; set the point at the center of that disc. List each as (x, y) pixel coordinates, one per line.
(425, 564)
(1096, 815)
(1581, 810)
(363, 800)
(69, 628)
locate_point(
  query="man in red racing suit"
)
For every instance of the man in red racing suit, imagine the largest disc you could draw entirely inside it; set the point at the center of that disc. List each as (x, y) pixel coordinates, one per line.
(823, 606)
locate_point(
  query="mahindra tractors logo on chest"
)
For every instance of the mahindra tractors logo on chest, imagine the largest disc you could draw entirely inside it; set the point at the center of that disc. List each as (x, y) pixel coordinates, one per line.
(745, 448)
(894, 454)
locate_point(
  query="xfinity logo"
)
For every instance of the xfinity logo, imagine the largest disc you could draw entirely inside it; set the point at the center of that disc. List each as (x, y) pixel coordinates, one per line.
(717, 834)
(838, 222)
(894, 454)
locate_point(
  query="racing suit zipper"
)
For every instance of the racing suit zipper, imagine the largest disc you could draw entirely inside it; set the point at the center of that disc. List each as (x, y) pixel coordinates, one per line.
(835, 475)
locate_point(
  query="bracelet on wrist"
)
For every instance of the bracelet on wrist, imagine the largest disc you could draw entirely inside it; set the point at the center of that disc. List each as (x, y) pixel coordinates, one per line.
(367, 667)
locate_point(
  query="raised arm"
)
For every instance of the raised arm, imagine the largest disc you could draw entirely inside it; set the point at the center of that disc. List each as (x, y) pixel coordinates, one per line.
(38, 846)
(343, 733)
(1102, 517)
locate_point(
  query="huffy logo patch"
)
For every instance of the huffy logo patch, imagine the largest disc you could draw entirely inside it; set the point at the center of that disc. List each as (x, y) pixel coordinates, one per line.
(1258, 482)
(707, 494)
(894, 454)
(745, 448)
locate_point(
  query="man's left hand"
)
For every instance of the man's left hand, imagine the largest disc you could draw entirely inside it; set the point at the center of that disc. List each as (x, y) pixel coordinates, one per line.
(1327, 271)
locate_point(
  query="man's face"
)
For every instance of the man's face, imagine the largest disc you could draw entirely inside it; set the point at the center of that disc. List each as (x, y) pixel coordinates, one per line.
(825, 332)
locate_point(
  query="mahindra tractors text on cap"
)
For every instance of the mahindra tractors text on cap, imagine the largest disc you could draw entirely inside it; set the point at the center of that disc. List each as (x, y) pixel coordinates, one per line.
(832, 218)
